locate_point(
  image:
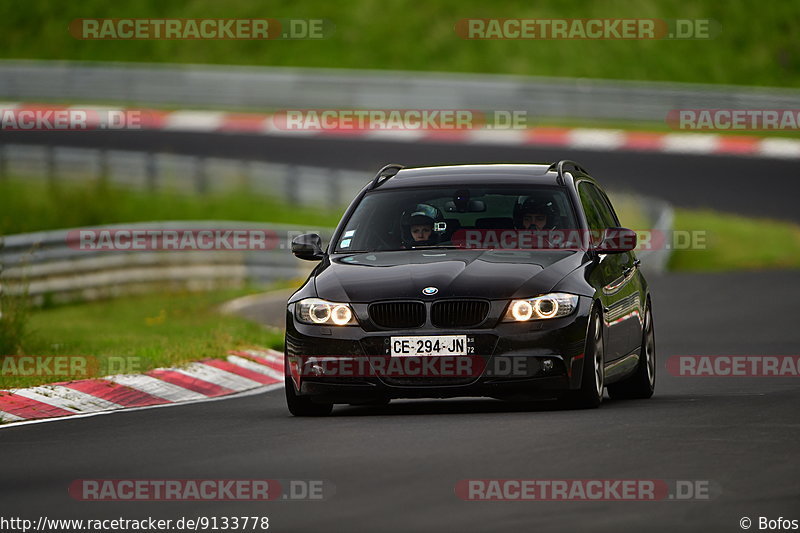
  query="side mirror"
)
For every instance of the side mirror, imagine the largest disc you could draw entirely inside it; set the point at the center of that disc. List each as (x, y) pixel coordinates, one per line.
(617, 241)
(308, 246)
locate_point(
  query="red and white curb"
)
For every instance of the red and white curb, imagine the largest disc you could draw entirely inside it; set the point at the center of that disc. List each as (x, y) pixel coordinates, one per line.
(575, 138)
(246, 371)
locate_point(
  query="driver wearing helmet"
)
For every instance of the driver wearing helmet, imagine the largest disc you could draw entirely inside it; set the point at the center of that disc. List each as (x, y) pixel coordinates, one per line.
(537, 215)
(418, 226)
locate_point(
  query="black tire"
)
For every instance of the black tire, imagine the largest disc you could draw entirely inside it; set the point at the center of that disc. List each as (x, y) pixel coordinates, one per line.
(642, 383)
(590, 395)
(302, 406)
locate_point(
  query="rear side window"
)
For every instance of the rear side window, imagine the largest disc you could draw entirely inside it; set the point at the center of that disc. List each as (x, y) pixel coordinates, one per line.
(590, 208)
(606, 210)
(599, 213)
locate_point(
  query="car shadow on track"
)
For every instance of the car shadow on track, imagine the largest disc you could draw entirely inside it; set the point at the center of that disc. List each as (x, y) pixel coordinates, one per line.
(458, 406)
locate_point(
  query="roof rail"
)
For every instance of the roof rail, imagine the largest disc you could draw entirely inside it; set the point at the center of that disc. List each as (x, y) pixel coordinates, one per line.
(386, 172)
(559, 167)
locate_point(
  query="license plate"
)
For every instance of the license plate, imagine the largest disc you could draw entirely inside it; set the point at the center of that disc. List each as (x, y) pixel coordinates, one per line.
(430, 345)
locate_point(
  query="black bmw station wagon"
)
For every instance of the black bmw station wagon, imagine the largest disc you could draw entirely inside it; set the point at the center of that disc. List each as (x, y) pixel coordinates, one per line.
(509, 281)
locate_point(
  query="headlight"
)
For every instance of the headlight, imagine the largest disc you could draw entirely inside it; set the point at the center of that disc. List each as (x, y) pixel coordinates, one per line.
(323, 313)
(553, 305)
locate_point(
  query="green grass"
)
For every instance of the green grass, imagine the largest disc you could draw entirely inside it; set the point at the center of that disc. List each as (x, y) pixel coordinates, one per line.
(34, 205)
(757, 44)
(14, 310)
(138, 333)
(734, 242)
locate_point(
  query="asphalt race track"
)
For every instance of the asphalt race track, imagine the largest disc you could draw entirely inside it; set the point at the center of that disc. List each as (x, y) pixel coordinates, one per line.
(394, 468)
(748, 185)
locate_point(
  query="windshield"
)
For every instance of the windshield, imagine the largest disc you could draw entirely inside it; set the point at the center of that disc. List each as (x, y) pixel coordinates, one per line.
(402, 219)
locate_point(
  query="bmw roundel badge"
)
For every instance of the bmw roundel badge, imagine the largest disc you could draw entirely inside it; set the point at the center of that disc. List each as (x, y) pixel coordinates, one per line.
(429, 291)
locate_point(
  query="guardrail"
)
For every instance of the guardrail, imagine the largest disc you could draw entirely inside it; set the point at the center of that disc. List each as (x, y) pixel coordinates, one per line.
(53, 268)
(234, 87)
(294, 184)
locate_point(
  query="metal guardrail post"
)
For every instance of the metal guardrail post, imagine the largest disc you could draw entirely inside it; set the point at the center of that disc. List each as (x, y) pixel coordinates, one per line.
(150, 171)
(246, 182)
(335, 186)
(292, 184)
(3, 162)
(102, 165)
(200, 175)
(50, 164)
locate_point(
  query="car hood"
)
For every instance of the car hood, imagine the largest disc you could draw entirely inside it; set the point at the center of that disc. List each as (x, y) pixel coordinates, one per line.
(490, 274)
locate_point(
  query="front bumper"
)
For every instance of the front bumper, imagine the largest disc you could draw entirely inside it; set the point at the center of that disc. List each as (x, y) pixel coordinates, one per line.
(510, 360)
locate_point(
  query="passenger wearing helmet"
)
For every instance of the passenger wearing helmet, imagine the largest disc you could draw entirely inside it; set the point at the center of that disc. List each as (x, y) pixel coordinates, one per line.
(537, 215)
(418, 226)
(421, 232)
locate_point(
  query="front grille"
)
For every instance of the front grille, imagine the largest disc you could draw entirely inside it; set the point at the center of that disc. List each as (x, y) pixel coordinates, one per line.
(459, 313)
(397, 314)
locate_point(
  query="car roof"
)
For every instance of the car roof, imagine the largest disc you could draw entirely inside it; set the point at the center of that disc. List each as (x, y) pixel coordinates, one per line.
(485, 174)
